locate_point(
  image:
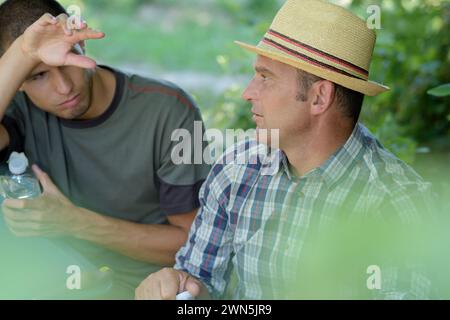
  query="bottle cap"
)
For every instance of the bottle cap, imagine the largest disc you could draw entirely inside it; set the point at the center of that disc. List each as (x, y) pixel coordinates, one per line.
(186, 295)
(17, 163)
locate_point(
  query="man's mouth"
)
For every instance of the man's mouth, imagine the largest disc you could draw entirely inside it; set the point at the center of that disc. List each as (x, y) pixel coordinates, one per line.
(71, 102)
(257, 119)
(256, 114)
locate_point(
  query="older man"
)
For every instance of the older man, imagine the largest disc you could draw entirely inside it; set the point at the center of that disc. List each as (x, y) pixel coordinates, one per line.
(311, 75)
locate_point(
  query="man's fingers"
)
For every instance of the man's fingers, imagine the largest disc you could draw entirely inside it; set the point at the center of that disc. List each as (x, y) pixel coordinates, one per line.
(193, 286)
(46, 182)
(169, 284)
(83, 25)
(149, 289)
(189, 283)
(62, 18)
(27, 228)
(28, 233)
(80, 61)
(161, 285)
(78, 25)
(47, 19)
(15, 215)
(89, 33)
(15, 204)
(43, 177)
(22, 226)
(62, 22)
(154, 291)
(22, 205)
(21, 215)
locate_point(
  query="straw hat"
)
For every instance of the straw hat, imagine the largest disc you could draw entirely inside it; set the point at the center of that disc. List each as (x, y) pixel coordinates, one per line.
(323, 39)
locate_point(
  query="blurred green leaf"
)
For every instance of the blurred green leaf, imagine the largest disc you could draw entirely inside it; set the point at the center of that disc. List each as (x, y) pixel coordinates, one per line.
(441, 91)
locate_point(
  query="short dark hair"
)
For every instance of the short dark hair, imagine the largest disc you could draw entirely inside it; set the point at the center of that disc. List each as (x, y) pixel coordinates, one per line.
(17, 15)
(349, 101)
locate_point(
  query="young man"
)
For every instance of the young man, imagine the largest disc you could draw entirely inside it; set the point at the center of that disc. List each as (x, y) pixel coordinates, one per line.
(101, 142)
(311, 77)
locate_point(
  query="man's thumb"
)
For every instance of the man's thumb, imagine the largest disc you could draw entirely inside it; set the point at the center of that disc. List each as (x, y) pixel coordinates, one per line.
(193, 286)
(43, 178)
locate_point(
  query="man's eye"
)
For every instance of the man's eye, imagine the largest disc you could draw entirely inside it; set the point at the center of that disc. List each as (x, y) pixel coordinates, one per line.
(38, 76)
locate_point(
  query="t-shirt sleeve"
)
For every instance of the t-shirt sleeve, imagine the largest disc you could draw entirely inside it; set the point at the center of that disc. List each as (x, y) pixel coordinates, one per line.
(181, 171)
(13, 123)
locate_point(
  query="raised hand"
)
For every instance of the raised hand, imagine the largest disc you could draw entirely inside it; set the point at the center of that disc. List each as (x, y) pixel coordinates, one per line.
(49, 41)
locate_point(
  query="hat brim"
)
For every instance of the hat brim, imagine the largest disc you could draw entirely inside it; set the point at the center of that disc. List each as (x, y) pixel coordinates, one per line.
(368, 87)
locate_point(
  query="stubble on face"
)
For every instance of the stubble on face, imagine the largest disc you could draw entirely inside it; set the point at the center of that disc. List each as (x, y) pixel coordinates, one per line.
(82, 83)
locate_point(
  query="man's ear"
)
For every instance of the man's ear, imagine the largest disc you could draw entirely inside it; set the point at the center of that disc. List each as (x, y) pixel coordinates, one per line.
(323, 96)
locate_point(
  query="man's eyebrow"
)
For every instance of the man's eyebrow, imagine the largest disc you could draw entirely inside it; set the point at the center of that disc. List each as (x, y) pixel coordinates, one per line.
(264, 70)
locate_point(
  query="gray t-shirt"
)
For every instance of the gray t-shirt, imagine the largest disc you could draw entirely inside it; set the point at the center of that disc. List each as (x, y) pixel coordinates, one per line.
(118, 164)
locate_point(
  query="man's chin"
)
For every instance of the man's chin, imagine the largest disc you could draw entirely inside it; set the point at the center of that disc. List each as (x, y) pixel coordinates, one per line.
(262, 135)
(72, 114)
(269, 137)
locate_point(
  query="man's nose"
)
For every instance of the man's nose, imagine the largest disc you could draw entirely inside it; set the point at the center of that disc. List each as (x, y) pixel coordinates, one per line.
(63, 83)
(249, 93)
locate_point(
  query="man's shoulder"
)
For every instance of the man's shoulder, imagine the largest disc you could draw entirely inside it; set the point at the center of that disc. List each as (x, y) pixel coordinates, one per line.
(139, 86)
(247, 153)
(243, 161)
(388, 171)
(234, 172)
(20, 107)
(19, 99)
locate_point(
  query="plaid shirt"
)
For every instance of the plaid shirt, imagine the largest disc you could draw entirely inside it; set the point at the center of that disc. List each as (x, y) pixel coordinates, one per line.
(255, 215)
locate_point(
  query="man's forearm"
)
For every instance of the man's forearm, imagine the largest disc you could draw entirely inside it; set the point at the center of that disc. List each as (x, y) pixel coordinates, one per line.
(15, 66)
(156, 244)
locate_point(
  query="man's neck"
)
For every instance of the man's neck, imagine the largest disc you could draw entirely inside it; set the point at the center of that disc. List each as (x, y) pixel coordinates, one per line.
(312, 149)
(102, 93)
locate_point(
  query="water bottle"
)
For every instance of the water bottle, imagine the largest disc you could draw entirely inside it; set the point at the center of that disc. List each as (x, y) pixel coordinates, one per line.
(20, 183)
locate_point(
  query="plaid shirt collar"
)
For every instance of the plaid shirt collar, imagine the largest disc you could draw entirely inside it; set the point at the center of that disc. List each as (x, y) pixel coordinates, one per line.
(333, 169)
